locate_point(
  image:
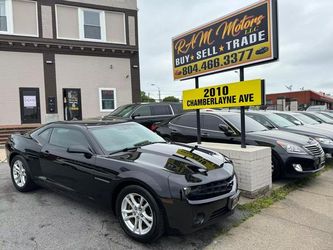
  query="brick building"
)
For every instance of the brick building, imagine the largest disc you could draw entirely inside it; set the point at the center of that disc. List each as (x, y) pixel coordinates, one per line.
(298, 99)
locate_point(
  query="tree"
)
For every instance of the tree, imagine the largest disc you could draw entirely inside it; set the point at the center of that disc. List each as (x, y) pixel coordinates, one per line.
(170, 99)
(145, 98)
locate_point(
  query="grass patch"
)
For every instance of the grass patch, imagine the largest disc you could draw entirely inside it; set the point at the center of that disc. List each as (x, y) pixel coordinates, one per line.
(279, 194)
(248, 210)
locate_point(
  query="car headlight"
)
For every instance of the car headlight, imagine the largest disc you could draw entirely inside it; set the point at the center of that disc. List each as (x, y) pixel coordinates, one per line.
(291, 148)
(325, 141)
(229, 168)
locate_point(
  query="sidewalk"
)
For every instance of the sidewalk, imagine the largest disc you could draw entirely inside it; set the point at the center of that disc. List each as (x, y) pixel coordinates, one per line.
(304, 220)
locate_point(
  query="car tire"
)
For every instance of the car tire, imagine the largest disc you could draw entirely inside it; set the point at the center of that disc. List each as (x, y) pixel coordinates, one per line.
(276, 167)
(142, 222)
(20, 174)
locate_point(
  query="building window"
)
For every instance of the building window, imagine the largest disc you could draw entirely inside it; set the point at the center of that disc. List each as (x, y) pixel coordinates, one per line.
(107, 99)
(3, 16)
(92, 25)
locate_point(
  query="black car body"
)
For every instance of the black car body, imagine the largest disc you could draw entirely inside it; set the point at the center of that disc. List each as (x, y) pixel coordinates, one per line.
(190, 186)
(224, 127)
(273, 121)
(147, 114)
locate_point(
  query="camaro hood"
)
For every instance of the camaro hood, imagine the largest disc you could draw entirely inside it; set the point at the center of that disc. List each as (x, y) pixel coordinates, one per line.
(282, 135)
(178, 159)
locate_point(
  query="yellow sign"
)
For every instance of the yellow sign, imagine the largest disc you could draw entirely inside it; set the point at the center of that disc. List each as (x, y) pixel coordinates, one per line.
(243, 38)
(247, 93)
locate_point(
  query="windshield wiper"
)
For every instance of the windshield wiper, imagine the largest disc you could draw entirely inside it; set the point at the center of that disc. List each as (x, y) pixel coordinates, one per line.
(123, 150)
(146, 142)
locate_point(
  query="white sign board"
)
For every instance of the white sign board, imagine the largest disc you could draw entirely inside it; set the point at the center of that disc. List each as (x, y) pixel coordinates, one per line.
(29, 101)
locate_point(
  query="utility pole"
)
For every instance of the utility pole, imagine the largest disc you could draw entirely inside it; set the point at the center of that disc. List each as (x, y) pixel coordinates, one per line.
(159, 91)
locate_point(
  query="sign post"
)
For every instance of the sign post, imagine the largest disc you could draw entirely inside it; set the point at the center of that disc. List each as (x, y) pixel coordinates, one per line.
(198, 114)
(242, 113)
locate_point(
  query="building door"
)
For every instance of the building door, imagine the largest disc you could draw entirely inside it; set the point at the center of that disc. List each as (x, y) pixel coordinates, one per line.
(72, 104)
(30, 105)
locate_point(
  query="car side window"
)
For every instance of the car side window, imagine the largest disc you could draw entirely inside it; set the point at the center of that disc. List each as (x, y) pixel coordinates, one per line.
(177, 108)
(261, 120)
(142, 111)
(212, 122)
(188, 120)
(64, 137)
(161, 110)
(44, 136)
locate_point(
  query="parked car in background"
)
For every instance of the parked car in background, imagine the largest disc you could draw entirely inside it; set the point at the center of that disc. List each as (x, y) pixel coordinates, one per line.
(301, 119)
(327, 113)
(318, 117)
(146, 113)
(292, 154)
(317, 108)
(151, 185)
(274, 121)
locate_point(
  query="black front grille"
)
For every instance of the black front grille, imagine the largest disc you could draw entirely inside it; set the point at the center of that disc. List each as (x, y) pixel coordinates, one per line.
(218, 213)
(211, 189)
(316, 149)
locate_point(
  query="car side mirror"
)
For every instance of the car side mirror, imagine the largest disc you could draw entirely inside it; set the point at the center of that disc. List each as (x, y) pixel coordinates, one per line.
(135, 116)
(297, 122)
(79, 149)
(269, 126)
(225, 129)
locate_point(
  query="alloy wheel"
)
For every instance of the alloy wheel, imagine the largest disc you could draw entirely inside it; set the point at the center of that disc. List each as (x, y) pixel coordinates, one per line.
(137, 213)
(19, 173)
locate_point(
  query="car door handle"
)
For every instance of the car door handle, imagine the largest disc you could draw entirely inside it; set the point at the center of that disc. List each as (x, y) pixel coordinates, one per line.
(205, 134)
(174, 130)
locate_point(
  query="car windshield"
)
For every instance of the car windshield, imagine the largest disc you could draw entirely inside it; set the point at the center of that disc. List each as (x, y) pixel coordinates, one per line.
(323, 117)
(330, 115)
(279, 121)
(305, 119)
(250, 124)
(123, 111)
(121, 136)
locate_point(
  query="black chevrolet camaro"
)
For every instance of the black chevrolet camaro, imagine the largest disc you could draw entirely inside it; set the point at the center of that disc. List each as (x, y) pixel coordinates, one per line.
(151, 185)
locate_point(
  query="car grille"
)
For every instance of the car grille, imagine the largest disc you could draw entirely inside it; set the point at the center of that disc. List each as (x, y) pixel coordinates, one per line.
(218, 213)
(315, 149)
(211, 189)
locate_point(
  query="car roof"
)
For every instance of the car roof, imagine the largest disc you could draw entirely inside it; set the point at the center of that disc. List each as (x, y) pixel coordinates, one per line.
(90, 122)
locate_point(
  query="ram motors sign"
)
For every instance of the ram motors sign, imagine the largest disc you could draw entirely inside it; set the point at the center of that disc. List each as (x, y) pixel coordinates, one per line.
(246, 93)
(245, 37)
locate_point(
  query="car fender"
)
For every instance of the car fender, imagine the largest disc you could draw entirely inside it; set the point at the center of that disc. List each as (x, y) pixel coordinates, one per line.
(160, 189)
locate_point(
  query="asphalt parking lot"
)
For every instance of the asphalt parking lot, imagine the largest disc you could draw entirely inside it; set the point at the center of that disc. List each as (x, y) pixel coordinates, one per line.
(44, 219)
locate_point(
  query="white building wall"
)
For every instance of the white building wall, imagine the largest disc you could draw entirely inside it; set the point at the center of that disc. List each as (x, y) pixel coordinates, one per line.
(90, 73)
(19, 69)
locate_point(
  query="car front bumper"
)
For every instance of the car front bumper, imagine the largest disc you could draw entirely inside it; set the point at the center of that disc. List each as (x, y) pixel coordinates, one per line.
(185, 218)
(309, 164)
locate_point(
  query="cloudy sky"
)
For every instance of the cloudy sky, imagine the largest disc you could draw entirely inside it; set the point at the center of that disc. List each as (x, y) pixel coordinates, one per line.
(305, 41)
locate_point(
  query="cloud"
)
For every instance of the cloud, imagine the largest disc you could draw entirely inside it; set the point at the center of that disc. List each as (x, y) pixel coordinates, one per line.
(305, 38)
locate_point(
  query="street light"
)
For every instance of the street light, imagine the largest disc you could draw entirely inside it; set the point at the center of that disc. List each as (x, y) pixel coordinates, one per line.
(159, 91)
